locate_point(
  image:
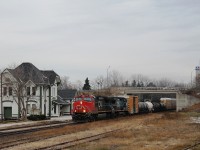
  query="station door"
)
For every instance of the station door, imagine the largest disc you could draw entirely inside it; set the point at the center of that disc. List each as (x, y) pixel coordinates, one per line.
(7, 112)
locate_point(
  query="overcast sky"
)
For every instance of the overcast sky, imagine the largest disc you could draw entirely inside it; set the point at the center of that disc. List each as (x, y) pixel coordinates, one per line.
(82, 38)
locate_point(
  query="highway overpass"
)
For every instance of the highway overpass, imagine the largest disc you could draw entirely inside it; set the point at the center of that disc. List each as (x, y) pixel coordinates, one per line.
(183, 100)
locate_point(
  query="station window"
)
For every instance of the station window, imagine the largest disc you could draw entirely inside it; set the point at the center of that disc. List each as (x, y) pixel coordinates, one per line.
(33, 90)
(34, 106)
(28, 91)
(53, 91)
(54, 108)
(5, 91)
(10, 91)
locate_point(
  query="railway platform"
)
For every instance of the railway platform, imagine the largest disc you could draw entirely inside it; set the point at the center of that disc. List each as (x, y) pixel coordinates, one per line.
(9, 124)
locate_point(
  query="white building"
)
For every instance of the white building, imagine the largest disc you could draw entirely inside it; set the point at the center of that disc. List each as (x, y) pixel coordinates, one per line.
(34, 89)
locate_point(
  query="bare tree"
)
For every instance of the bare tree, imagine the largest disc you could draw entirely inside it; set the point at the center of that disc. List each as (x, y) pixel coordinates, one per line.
(77, 85)
(166, 83)
(19, 90)
(99, 82)
(140, 79)
(115, 79)
(65, 83)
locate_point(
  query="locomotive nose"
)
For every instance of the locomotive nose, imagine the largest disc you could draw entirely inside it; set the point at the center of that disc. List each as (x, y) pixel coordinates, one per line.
(80, 108)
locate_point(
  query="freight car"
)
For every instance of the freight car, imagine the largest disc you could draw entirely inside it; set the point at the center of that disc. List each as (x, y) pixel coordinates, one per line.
(158, 106)
(168, 103)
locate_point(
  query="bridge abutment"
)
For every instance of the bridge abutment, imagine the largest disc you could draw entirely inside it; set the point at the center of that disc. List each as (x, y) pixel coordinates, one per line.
(184, 101)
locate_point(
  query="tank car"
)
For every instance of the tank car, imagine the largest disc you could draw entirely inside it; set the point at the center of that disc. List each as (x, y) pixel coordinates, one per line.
(157, 107)
(143, 108)
(149, 106)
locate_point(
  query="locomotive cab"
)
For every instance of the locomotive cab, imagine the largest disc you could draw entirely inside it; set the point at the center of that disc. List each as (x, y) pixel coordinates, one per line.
(84, 108)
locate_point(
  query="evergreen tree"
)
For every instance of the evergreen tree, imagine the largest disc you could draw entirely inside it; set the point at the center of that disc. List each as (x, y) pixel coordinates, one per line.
(133, 83)
(126, 84)
(87, 85)
(141, 84)
(151, 84)
(138, 85)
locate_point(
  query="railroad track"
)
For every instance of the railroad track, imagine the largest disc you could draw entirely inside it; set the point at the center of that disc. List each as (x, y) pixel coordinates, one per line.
(192, 146)
(22, 130)
(76, 142)
(36, 124)
(10, 143)
(71, 142)
(24, 140)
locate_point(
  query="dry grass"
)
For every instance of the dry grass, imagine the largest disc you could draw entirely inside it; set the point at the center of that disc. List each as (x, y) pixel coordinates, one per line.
(170, 130)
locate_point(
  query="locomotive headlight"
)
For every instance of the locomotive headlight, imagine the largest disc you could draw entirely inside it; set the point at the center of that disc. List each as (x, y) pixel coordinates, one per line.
(75, 110)
(81, 102)
(84, 110)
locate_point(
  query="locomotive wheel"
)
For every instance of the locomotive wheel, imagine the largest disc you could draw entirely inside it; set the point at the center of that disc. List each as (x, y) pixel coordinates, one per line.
(117, 114)
(96, 116)
(91, 118)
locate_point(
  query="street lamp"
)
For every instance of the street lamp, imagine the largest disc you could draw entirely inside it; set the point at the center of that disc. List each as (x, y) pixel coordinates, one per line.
(107, 75)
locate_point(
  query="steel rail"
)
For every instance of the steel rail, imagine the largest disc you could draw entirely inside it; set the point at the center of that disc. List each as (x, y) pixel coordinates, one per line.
(192, 146)
(30, 129)
(75, 142)
(11, 143)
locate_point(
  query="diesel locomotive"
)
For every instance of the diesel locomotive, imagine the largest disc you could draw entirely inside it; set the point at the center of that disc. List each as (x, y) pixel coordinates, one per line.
(88, 107)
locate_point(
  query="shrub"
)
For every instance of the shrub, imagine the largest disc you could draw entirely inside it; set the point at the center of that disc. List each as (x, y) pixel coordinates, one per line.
(36, 117)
